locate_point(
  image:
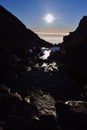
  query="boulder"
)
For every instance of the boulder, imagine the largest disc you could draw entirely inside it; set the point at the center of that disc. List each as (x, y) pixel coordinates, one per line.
(72, 115)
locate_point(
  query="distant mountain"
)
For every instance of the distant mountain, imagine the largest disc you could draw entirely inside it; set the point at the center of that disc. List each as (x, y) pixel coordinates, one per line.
(74, 47)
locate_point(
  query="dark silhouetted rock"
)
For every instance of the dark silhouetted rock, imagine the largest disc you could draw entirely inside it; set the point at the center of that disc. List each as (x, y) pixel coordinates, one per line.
(72, 115)
(47, 122)
(76, 37)
(15, 42)
(75, 48)
(14, 33)
(19, 123)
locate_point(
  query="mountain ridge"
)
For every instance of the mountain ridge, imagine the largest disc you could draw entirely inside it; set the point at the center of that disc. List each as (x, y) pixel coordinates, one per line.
(77, 36)
(74, 47)
(15, 31)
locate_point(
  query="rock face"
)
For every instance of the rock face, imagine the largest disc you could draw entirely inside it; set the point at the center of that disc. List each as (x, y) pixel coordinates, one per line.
(78, 36)
(78, 106)
(16, 113)
(72, 115)
(14, 32)
(15, 42)
(75, 48)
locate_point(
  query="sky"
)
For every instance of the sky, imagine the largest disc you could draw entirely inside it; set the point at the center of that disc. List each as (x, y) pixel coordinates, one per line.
(67, 14)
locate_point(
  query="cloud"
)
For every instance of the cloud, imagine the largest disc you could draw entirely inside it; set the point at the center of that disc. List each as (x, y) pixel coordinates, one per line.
(52, 36)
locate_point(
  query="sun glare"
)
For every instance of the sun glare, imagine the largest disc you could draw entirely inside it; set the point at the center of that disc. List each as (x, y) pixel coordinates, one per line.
(49, 18)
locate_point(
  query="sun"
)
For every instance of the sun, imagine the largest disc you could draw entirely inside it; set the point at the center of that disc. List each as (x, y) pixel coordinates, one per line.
(49, 18)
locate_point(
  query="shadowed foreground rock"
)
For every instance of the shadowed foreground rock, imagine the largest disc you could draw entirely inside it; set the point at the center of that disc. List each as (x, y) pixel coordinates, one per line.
(36, 112)
(72, 115)
(74, 47)
(15, 42)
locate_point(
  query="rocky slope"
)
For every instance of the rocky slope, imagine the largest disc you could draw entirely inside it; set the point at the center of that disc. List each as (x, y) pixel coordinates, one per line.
(15, 42)
(74, 48)
(78, 36)
(14, 32)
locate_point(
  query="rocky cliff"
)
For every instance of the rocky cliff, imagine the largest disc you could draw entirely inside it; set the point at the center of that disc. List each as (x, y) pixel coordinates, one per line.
(78, 36)
(13, 32)
(15, 42)
(75, 48)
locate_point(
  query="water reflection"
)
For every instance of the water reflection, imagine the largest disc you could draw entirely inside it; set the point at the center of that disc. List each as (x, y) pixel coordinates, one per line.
(46, 52)
(45, 55)
(49, 67)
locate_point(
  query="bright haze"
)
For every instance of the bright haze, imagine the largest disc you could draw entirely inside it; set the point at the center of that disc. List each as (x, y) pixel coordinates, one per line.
(50, 19)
